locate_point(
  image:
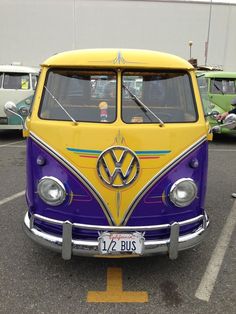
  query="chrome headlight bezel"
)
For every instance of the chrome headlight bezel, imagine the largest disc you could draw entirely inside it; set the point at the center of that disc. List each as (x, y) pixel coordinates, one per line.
(23, 111)
(190, 186)
(43, 190)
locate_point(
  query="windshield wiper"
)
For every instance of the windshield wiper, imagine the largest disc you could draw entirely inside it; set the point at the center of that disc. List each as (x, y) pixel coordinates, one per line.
(200, 75)
(60, 105)
(143, 107)
(217, 87)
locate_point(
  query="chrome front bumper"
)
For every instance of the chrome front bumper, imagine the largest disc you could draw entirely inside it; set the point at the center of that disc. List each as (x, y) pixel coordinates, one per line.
(68, 246)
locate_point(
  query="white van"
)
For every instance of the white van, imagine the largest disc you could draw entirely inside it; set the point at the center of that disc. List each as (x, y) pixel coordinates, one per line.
(17, 84)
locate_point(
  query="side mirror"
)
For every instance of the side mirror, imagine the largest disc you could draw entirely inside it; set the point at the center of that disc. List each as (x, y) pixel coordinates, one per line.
(11, 110)
(212, 113)
(229, 122)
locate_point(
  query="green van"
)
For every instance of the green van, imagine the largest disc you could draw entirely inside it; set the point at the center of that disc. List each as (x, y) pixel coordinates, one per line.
(218, 89)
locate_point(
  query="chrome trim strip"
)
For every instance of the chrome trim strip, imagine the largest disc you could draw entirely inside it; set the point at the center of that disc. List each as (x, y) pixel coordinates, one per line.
(66, 243)
(159, 175)
(174, 240)
(68, 246)
(76, 172)
(115, 228)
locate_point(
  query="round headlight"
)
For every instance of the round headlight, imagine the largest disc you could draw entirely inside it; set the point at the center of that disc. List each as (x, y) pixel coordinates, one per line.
(183, 192)
(51, 191)
(23, 111)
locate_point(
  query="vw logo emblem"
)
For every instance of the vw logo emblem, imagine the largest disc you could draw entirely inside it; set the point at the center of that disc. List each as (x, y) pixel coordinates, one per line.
(118, 167)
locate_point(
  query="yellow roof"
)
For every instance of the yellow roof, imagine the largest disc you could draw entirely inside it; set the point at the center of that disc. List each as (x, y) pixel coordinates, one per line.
(117, 58)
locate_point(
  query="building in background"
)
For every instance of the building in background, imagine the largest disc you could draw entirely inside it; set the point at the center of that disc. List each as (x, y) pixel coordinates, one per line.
(33, 30)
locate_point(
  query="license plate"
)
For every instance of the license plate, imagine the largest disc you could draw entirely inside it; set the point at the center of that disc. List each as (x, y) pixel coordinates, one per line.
(116, 243)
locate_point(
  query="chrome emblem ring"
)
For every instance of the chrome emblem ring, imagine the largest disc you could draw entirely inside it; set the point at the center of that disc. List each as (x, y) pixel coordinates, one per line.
(118, 167)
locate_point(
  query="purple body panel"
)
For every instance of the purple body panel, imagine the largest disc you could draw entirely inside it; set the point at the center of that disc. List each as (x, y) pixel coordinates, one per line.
(152, 207)
(84, 208)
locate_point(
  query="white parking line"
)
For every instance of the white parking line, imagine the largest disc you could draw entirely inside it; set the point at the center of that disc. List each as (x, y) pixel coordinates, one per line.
(10, 198)
(207, 283)
(10, 144)
(16, 146)
(222, 150)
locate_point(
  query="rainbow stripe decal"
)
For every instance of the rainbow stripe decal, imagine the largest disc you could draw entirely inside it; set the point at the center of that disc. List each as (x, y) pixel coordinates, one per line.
(151, 154)
(142, 154)
(85, 153)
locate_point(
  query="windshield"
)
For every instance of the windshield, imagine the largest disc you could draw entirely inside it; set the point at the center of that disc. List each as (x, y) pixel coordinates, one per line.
(88, 96)
(91, 96)
(223, 86)
(16, 81)
(202, 84)
(168, 96)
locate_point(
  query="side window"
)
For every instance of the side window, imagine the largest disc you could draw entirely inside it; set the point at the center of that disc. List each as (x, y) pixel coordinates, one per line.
(223, 86)
(16, 81)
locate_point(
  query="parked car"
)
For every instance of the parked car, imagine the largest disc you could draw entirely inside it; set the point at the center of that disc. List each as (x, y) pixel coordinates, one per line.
(17, 84)
(218, 89)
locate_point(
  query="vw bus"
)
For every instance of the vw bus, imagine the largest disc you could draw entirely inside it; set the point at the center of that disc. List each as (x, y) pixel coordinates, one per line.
(218, 90)
(117, 147)
(17, 84)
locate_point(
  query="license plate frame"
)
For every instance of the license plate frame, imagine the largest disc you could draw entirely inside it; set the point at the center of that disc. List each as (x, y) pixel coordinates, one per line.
(116, 243)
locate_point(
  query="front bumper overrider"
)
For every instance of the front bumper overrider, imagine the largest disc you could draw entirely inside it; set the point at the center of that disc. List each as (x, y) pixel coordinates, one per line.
(69, 246)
